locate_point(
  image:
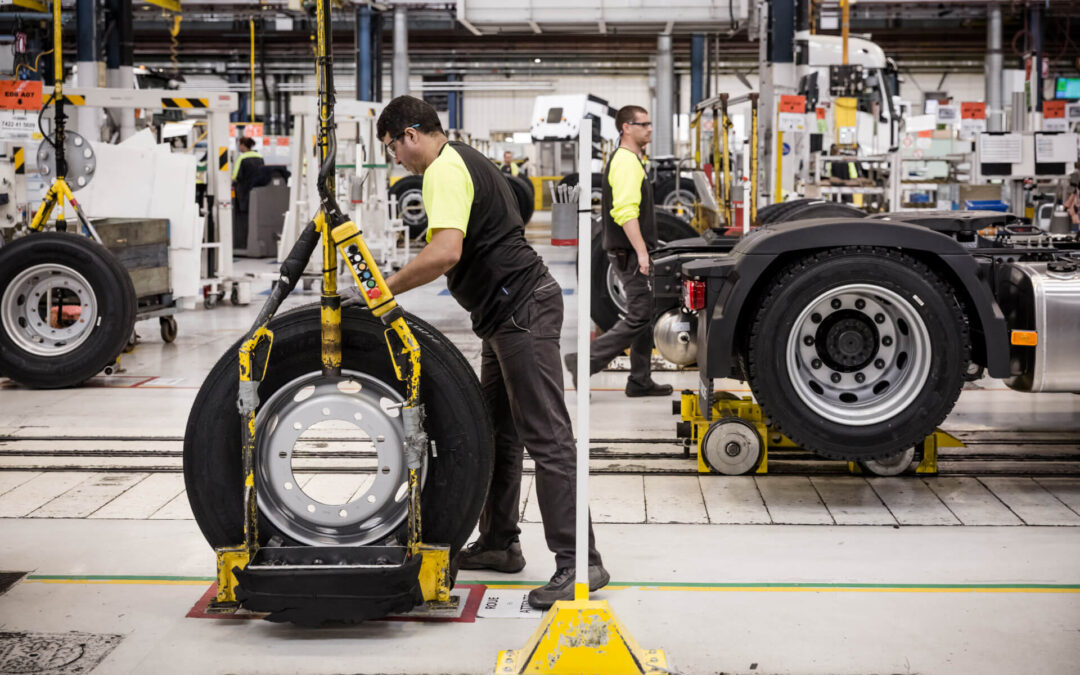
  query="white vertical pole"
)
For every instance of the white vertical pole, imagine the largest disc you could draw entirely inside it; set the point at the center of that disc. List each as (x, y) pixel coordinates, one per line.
(581, 545)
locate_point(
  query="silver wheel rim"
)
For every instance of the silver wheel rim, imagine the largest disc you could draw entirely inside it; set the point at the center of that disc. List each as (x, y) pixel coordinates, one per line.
(615, 289)
(890, 465)
(411, 206)
(379, 506)
(33, 291)
(680, 203)
(858, 354)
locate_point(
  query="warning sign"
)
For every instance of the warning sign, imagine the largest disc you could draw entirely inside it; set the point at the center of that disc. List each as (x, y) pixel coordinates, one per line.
(20, 95)
(972, 117)
(792, 113)
(251, 129)
(1054, 116)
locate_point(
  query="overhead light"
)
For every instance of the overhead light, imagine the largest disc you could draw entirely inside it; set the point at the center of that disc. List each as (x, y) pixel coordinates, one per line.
(536, 60)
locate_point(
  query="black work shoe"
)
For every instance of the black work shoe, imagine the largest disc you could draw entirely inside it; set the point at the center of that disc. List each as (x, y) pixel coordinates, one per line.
(476, 557)
(561, 586)
(634, 389)
(571, 364)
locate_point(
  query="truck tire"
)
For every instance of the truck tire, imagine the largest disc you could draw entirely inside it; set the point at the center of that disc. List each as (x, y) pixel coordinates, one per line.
(816, 209)
(410, 196)
(51, 348)
(677, 196)
(458, 464)
(523, 193)
(857, 353)
(773, 212)
(608, 301)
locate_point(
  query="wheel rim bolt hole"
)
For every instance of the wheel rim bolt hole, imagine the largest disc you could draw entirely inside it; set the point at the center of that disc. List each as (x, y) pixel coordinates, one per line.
(808, 340)
(860, 378)
(815, 364)
(815, 317)
(879, 318)
(835, 377)
(836, 304)
(860, 304)
(879, 364)
(887, 341)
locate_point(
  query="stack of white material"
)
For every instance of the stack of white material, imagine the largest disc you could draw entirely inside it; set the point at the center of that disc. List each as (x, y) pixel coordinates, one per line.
(141, 179)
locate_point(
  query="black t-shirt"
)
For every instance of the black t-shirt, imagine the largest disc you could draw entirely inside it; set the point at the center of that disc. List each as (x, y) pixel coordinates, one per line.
(497, 269)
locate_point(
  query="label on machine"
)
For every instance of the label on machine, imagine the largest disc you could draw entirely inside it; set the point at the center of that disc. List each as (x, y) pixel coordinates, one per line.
(792, 110)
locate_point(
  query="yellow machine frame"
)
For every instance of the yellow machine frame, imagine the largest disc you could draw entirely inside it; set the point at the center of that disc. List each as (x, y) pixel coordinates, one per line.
(726, 406)
(339, 236)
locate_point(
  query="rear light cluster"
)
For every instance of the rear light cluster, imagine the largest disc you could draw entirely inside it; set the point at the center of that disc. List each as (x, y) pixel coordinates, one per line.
(693, 295)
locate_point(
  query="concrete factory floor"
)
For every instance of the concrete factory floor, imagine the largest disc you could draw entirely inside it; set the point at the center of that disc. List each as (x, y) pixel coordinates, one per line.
(827, 573)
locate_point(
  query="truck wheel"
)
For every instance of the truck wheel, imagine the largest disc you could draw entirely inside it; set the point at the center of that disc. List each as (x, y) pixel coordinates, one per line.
(295, 396)
(67, 309)
(820, 210)
(608, 296)
(772, 212)
(410, 197)
(857, 353)
(523, 193)
(677, 196)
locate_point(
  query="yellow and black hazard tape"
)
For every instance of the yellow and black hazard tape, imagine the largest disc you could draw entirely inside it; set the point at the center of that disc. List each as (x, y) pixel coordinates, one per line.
(223, 158)
(19, 160)
(74, 99)
(185, 103)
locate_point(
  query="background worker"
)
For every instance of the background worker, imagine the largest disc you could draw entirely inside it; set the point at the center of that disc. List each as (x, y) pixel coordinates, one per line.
(477, 239)
(508, 165)
(247, 171)
(629, 238)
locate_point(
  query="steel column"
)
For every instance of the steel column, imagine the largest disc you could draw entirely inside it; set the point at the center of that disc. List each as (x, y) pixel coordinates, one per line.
(697, 69)
(399, 80)
(86, 61)
(1037, 47)
(995, 115)
(663, 116)
(363, 53)
(126, 71)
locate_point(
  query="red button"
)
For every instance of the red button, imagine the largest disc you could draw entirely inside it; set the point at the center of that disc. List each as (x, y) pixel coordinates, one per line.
(374, 293)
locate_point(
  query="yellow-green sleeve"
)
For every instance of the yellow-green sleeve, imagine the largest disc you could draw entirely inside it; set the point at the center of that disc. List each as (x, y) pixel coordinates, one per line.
(625, 176)
(448, 193)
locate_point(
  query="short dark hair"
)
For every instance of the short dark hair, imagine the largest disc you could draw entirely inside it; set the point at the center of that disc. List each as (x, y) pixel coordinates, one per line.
(626, 114)
(246, 142)
(404, 112)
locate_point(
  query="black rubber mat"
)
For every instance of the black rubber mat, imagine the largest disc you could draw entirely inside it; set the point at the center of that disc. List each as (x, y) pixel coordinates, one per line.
(8, 579)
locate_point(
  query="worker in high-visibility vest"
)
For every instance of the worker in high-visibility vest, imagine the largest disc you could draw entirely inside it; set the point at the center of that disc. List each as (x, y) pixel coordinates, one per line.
(247, 168)
(508, 165)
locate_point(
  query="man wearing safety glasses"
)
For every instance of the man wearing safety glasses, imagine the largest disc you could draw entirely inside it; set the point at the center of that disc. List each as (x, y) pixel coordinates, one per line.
(477, 239)
(629, 239)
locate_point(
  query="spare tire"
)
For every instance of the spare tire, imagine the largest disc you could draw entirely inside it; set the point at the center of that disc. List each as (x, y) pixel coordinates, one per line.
(458, 463)
(523, 193)
(608, 300)
(410, 198)
(67, 309)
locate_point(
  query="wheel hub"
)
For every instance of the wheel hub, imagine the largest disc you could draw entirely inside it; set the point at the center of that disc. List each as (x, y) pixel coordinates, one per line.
(858, 354)
(847, 341)
(316, 421)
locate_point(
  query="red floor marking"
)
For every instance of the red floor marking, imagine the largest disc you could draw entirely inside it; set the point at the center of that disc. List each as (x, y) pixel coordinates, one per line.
(468, 615)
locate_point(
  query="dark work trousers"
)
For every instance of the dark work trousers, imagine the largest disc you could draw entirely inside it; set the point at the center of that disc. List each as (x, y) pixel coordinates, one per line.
(521, 374)
(634, 330)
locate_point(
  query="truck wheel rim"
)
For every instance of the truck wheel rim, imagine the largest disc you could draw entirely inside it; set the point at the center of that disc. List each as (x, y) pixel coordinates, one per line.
(411, 205)
(680, 202)
(380, 504)
(31, 300)
(858, 354)
(616, 290)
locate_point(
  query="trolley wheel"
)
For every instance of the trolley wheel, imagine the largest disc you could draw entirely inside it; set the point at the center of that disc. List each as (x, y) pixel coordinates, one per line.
(210, 300)
(732, 446)
(168, 328)
(891, 465)
(973, 372)
(234, 295)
